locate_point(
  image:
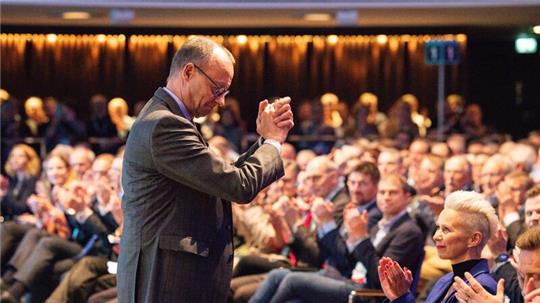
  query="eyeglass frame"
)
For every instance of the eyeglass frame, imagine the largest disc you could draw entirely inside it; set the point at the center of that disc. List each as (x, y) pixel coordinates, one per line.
(223, 93)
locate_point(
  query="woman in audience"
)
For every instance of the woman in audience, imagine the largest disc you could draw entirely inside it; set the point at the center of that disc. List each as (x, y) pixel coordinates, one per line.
(464, 227)
(22, 167)
(45, 217)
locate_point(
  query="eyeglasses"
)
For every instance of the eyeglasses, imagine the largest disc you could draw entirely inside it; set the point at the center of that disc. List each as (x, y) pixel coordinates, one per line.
(220, 91)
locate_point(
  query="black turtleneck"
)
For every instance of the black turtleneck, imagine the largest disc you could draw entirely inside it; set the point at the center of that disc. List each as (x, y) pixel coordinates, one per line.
(466, 266)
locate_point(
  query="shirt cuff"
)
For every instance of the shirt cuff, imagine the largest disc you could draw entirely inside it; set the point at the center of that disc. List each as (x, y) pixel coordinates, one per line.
(510, 218)
(81, 217)
(352, 246)
(274, 143)
(326, 228)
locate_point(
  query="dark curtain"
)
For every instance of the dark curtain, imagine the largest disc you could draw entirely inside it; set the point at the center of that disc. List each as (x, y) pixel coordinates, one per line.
(74, 67)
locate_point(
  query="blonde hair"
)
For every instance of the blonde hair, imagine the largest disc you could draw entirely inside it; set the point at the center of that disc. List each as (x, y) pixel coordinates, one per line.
(33, 166)
(482, 215)
(117, 103)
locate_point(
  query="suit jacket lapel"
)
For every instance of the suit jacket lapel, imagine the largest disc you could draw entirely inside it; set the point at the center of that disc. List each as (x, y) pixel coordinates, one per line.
(390, 233)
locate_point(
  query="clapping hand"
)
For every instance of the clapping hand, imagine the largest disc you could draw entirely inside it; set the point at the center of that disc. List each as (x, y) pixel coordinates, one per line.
(274, 121)
(531, 293)
(323, 212)
(356, 223)
(395, 281)
(475, 293)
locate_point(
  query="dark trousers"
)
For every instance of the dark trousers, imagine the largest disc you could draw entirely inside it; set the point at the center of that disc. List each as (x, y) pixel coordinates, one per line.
(253, 264)
(11, 234)
(86, 277)
(40, 253)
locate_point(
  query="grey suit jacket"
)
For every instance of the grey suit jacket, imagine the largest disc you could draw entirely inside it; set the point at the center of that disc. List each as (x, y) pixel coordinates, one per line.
(177, 239)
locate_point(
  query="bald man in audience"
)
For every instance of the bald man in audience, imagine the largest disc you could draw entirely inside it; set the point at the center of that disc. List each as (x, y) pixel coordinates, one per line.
(457, 174)
(303, 157)
(417, 150)
(493, 172)
(390, 162)
(81, 160)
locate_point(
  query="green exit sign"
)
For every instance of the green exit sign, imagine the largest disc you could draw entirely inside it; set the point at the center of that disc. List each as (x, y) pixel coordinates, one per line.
(526, 45)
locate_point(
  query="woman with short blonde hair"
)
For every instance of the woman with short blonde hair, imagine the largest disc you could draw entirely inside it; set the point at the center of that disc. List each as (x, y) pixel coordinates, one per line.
(464, 226)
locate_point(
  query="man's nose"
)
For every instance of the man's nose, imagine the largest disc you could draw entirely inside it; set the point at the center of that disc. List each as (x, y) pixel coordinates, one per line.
(220, 100)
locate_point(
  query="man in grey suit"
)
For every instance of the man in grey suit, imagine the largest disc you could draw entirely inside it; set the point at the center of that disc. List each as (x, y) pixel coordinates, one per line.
(176, 244)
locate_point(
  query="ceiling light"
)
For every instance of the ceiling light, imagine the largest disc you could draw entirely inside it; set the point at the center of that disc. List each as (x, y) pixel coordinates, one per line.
(52, 38)
(241, 39)
(332, 39)
(382, 39)
(536, 29)
(75, 15)
(317, 17)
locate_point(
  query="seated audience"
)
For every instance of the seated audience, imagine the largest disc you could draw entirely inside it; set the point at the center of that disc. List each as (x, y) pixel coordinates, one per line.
(23, 167)
(396, 236)
(464, 227)
(528, 268)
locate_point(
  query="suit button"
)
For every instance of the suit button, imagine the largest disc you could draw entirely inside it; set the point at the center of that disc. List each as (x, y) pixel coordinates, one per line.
(229, 227)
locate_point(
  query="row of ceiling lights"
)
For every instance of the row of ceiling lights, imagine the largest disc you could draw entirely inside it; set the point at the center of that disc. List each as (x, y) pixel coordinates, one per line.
(313, 17)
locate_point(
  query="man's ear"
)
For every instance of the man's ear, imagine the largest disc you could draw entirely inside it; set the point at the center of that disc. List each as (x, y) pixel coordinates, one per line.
(475, 239)
(187, 72)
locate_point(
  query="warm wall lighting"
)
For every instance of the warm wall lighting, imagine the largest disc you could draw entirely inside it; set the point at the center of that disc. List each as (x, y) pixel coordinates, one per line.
(382, 39)
(461, 37)
(52, 38)
(536, 29)
(317, 17)
(241, 39)
(75, 15)
(332, 39)
(101, 38)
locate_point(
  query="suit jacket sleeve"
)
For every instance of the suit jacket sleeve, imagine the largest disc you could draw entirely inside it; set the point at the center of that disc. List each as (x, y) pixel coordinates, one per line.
(403, 248)
(305, 247)
(180, 154)
(240, 161)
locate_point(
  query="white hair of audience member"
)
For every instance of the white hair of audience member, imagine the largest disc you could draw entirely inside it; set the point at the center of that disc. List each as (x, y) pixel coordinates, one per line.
(523, 156)
(303, 157)
(322, 162)
(506, 147)
(460, 158)
(90, 155)
(477, 212)
(62, 150)
(440, 149)
(393, 152)
(345, 153)
(502, 161)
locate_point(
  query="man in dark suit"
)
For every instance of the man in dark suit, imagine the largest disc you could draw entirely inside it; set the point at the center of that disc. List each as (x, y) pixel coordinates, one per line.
(176, 244)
